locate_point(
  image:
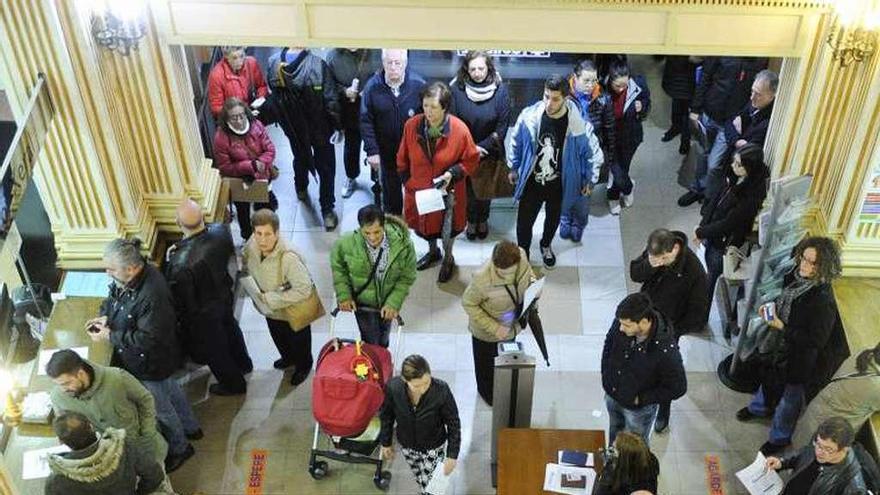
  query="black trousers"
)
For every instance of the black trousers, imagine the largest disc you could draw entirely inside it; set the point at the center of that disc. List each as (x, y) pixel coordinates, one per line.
(226, 353)
(243, 211)
(534, 196)
(352, 152)
(679, 118)
(294, 347)
(373, 328)
(484, 367)
(477, 209)
(664, 407)
(620, 172)
(392, 192)
(323, 156)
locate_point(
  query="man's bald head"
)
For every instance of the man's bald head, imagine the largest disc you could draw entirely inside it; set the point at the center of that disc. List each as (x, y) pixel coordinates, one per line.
(189, 216)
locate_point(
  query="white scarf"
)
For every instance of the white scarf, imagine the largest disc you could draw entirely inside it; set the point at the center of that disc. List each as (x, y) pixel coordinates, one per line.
(247, 127)
(478, 94)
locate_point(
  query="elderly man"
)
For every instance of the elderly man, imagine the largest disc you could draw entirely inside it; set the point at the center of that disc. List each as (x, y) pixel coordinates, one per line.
(389, 98)
(198, 271)
(105, 464)
(138, 319)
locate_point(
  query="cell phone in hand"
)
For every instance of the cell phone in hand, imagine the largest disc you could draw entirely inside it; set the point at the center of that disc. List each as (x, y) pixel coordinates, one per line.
(769, 312)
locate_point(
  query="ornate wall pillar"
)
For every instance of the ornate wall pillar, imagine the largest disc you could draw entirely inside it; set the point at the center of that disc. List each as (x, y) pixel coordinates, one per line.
(125, 147)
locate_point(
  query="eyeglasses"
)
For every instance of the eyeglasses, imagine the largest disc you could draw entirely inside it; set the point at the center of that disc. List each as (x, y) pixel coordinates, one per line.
(237, 116)
(823, 449)
(809, 261)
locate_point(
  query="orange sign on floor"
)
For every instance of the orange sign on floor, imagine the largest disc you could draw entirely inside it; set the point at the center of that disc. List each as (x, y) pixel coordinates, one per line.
(713, 475)
(259, 458)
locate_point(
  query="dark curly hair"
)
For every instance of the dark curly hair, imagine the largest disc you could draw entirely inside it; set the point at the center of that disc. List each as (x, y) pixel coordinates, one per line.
(462, 76)
(828, 266)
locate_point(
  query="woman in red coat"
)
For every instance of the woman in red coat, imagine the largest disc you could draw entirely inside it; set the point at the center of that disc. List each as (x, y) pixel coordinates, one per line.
(235, 75)
(242, 149)
(436, 146)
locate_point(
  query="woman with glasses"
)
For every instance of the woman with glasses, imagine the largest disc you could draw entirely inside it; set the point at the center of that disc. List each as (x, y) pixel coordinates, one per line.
(806, 314)
(729, 216)
(242, 149)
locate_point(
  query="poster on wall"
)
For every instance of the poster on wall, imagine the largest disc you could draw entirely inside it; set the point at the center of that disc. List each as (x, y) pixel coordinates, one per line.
(871, 205)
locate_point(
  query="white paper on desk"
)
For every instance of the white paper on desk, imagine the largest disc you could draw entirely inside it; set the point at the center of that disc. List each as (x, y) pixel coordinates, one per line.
(553, 479)
(429, 201)
(34, 462)
(439, 482)
(46, 355)
(758, 480)
(253, 290)
(532, 292)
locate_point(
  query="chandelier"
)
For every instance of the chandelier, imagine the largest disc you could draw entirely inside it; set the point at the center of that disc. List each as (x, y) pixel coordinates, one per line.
(118, 25)
(853, 33)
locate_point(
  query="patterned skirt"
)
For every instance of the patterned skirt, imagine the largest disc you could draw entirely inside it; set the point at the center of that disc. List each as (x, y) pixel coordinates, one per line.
(423, 463)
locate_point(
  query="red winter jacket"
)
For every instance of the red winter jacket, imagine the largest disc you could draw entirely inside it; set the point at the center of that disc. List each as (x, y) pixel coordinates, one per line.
(223, 84)
(234, 155)
(455, 151)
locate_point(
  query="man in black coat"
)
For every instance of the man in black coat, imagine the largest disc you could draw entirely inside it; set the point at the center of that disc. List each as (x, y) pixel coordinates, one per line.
(641, 367)
(672, 275)
(139, 321)
(388, 100)
(198, 273)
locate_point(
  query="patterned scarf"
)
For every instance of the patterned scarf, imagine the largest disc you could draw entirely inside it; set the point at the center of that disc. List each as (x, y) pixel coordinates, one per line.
(374, 253)
(798, 287)
(479, 92)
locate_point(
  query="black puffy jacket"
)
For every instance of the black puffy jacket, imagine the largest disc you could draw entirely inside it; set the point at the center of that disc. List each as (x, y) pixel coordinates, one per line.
(143, 326)
(426, 426)
(725, 86)
(651, 370)
(679, 77)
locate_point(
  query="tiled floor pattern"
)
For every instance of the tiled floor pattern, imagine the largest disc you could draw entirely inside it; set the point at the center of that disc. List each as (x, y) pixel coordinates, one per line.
(577, 309)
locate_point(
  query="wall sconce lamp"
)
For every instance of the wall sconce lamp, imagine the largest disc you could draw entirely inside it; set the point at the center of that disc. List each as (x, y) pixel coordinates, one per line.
(853, 33)
(117, 24)
(12, 396)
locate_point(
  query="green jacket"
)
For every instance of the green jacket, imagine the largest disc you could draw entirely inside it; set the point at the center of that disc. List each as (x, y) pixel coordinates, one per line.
(116, 399)
(351, 266)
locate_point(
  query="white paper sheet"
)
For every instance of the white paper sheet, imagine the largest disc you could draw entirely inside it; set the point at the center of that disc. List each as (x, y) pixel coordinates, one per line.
(553, 479)
(532, 292)
(86, 284)
(429, 201)
(758, 480)
(439, 482)
(253, 290)
(46, 355)
(34, 464)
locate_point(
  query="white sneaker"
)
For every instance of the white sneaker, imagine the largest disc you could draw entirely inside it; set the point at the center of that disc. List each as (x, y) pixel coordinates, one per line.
(349, 188)
(614, 206)
(629, 199)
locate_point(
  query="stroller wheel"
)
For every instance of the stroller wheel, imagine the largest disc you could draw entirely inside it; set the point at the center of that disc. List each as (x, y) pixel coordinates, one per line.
(383, 481)
(319, 470)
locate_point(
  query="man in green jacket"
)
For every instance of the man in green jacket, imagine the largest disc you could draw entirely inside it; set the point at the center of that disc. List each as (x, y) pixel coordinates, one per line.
(373, 270)
(108, 397)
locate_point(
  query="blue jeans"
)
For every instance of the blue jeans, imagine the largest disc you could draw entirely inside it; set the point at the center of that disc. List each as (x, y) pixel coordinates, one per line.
(714, 266)
(373, 328)
(579, 213)
(709, 173)
(173, 412)
(786, 414)
(638, 420)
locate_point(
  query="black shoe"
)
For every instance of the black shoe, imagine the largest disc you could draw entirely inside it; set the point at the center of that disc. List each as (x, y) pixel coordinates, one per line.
(548, 257)
(670, 135)
(661, 424)
(330, 220)
(684, 148)
(745, 415)
(300, 376)
(471, 232)
(689, 198)
(428, 260)
(196, 435)
(282, 364)
(769, 448)
(218, 389)
(446, 270)
(173, 462)
(302, 194)
(482, 230)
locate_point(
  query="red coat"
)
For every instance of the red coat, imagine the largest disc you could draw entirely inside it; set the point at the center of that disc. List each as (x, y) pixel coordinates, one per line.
(234, 155)
(223, 84)
(454, 148)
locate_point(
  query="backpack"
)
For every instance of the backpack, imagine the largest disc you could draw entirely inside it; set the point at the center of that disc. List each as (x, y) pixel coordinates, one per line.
(870, 471)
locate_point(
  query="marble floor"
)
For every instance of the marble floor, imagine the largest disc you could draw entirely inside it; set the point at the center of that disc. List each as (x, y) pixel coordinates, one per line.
(580, 299)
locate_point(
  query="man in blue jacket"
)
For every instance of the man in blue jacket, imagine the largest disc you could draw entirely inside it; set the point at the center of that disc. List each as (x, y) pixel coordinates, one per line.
(389, 99)
(554, 158)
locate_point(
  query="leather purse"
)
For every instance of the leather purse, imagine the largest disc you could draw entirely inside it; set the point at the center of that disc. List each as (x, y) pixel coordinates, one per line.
(490, 180)
(302, 314)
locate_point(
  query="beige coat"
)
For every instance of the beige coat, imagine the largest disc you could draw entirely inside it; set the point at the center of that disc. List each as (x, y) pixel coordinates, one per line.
(854, 399)
(488, 304)
(282, 265)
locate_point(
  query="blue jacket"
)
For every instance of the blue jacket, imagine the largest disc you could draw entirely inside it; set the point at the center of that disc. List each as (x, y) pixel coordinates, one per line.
(581, 154)
(383, 114)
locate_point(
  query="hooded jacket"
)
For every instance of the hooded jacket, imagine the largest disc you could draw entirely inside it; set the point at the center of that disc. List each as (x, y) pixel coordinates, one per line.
(351, 267)
(487, 300)
(582, 155)
(843, 478)
(678, 290)
(110, 466)
(651, 370)
(630, 133)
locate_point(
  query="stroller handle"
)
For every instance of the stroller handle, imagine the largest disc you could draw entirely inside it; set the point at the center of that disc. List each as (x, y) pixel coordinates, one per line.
(367, 309)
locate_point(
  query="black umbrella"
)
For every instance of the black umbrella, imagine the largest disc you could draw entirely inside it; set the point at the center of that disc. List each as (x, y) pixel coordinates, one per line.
(534, 321)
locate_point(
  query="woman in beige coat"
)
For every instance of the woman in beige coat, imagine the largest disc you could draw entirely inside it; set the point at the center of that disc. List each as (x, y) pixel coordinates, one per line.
(283, 280)
(853, 394)
(491, 301)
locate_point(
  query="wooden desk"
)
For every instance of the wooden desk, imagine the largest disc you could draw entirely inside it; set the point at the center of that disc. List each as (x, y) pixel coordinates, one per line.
(523, 454)
(65, 330)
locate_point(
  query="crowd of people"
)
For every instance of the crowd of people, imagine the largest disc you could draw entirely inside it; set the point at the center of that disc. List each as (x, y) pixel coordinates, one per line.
(129, 424)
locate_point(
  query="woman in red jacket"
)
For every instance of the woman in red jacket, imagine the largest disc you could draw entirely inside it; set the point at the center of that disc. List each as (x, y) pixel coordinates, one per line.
(436, 146)
(235, 75)
(242, 149)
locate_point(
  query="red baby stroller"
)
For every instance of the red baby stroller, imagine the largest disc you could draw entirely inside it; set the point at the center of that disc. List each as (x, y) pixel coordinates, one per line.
(347, 393)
